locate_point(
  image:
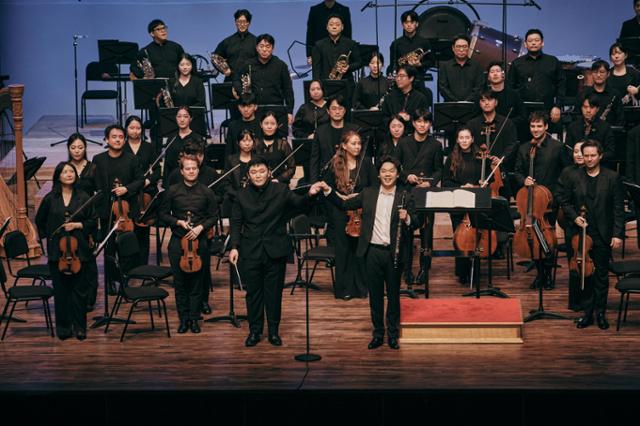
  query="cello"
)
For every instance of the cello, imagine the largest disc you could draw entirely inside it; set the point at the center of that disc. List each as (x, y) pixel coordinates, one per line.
(533, 202)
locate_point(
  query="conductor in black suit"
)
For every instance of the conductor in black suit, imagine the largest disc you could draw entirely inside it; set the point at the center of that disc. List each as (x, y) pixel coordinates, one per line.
(259, 239)
(382, 209)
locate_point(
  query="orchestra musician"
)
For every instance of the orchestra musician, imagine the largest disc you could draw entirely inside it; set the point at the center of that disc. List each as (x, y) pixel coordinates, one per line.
(537, 76)
(190, 209)
(610, 99)
(275, 149)
(508, 99)
(317, 23)
(311, 114)
(463, 169)
(247, 120)
(622, 78)
(414, 50)
(567, 175)
(163, 53)
(145, 154)
(403, 99)
(351, 171)
(600, 190)
(338, 54)
(549, 162)
(186, 87)
(269, 77)
(590, 126)
(489, 122)
(238, 47)
(370, 89)
(86, 170)
(115, 165)
(460, 78)
(70, 284)
(178, 140)
(260, 246)
(631, 27)
(328, 137)
(389, 146)
(421, 156)
(379, 245)
(238, 178)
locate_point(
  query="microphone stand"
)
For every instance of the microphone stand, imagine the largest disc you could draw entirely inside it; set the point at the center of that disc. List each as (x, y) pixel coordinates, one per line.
(75, 78)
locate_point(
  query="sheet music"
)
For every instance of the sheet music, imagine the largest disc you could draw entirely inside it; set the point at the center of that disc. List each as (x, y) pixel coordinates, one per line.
(458, 198)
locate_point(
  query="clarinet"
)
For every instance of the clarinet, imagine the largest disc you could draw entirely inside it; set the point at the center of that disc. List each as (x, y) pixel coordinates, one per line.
(396, 254)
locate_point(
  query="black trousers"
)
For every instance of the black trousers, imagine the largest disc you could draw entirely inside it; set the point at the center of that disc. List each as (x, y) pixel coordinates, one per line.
(188, 286)
(70, 299)
(596, 289)
(380, 271)
(206, 273)
(142, 234)
(264, 281)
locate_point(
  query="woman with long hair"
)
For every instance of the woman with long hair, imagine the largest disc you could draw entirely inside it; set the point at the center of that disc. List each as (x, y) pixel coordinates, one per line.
(69, 285)
(275, 149)
(187, 88)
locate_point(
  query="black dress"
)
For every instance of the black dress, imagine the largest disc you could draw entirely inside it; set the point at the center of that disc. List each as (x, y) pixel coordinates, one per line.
(350, 271)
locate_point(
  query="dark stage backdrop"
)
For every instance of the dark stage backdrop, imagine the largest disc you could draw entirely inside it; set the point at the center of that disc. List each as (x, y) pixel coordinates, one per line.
(36, 35)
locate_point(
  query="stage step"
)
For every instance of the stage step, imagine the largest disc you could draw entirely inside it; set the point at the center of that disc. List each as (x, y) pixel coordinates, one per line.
(461, 320)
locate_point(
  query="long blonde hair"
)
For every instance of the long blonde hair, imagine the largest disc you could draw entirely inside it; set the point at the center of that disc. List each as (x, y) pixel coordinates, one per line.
(339, 163)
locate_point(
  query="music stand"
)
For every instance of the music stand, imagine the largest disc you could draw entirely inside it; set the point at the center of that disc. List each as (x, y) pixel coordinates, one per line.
(333, 88)
(167, 121)
(303, 155)
(498, 219)
(631, 116)
(118, 52)
(222, 96)
(214, 155)
(371, 123)
(145, 92)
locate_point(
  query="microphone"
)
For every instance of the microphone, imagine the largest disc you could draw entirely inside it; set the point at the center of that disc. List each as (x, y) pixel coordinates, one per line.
(78, 36)
(369, 4)
(534, 4)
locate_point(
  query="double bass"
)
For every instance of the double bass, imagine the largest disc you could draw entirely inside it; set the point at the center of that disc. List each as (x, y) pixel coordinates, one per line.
(533, 202)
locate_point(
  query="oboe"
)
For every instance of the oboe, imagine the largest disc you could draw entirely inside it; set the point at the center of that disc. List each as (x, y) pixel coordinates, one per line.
(396, 254)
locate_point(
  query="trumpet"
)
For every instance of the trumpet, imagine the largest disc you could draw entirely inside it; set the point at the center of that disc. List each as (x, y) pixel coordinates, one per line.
(412, 58)
(147, 68)
(343, 61)
(219, 63)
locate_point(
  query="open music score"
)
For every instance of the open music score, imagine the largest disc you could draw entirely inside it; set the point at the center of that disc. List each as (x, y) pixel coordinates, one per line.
(458, 198)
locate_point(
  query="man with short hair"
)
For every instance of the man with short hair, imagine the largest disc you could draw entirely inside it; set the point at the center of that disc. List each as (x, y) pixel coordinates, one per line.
(507, 98)
(590, 126)
(317, 22)
(460, 78)
(247, 107)
(403, 100)
(163, 53)
(238, 47)
(610, 99)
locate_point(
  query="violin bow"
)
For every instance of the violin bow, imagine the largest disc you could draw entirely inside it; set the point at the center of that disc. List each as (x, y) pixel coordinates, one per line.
(75, 213)
(493, 170)
(212, 184)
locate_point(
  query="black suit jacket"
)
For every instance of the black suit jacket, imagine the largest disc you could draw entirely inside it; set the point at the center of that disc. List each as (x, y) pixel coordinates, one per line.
(632, 169)
(259, 220)
(367, 200)
(607, 212)
(322, 148)
(130, 177)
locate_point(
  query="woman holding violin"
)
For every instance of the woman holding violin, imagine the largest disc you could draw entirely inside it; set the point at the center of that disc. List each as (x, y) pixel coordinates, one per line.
(350, 172)
(190, 209)
(538, 166)
(598, 192)
(66, 221)
(146, 156)
(86, 170)
(463, 169)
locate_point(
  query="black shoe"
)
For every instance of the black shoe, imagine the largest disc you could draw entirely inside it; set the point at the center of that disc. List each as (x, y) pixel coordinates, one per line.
(585, 321)
(184, 326)
(206, 308)
(252, 340)
(393, 343)
(549, 285)
(275, 340)
(575, 308)
(346, 297)
(409, 278)
(64, 336)
(376, 342)
(195, 327)
(111, 288)
(81, 334)
(537, 282)
(421, 278)
(603, 324)
(463, 280)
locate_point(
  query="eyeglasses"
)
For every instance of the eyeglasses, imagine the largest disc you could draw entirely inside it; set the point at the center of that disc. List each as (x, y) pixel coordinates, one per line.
(161, 28)
(461, 47)
(242, 22)
(402, 76)
(336, 108)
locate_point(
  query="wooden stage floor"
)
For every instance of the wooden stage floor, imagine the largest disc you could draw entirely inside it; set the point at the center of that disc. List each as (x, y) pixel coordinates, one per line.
(555, 356)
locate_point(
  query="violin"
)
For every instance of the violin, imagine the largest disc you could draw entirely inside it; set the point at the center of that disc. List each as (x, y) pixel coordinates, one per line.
(121, 209)
(145, 199)
(190, 260)
(533, 202)
(354, 223)
(466, 238)
(69, 263)
(581, 243)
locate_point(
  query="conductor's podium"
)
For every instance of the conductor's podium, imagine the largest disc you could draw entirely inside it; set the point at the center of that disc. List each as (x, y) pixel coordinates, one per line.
(461, 320)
